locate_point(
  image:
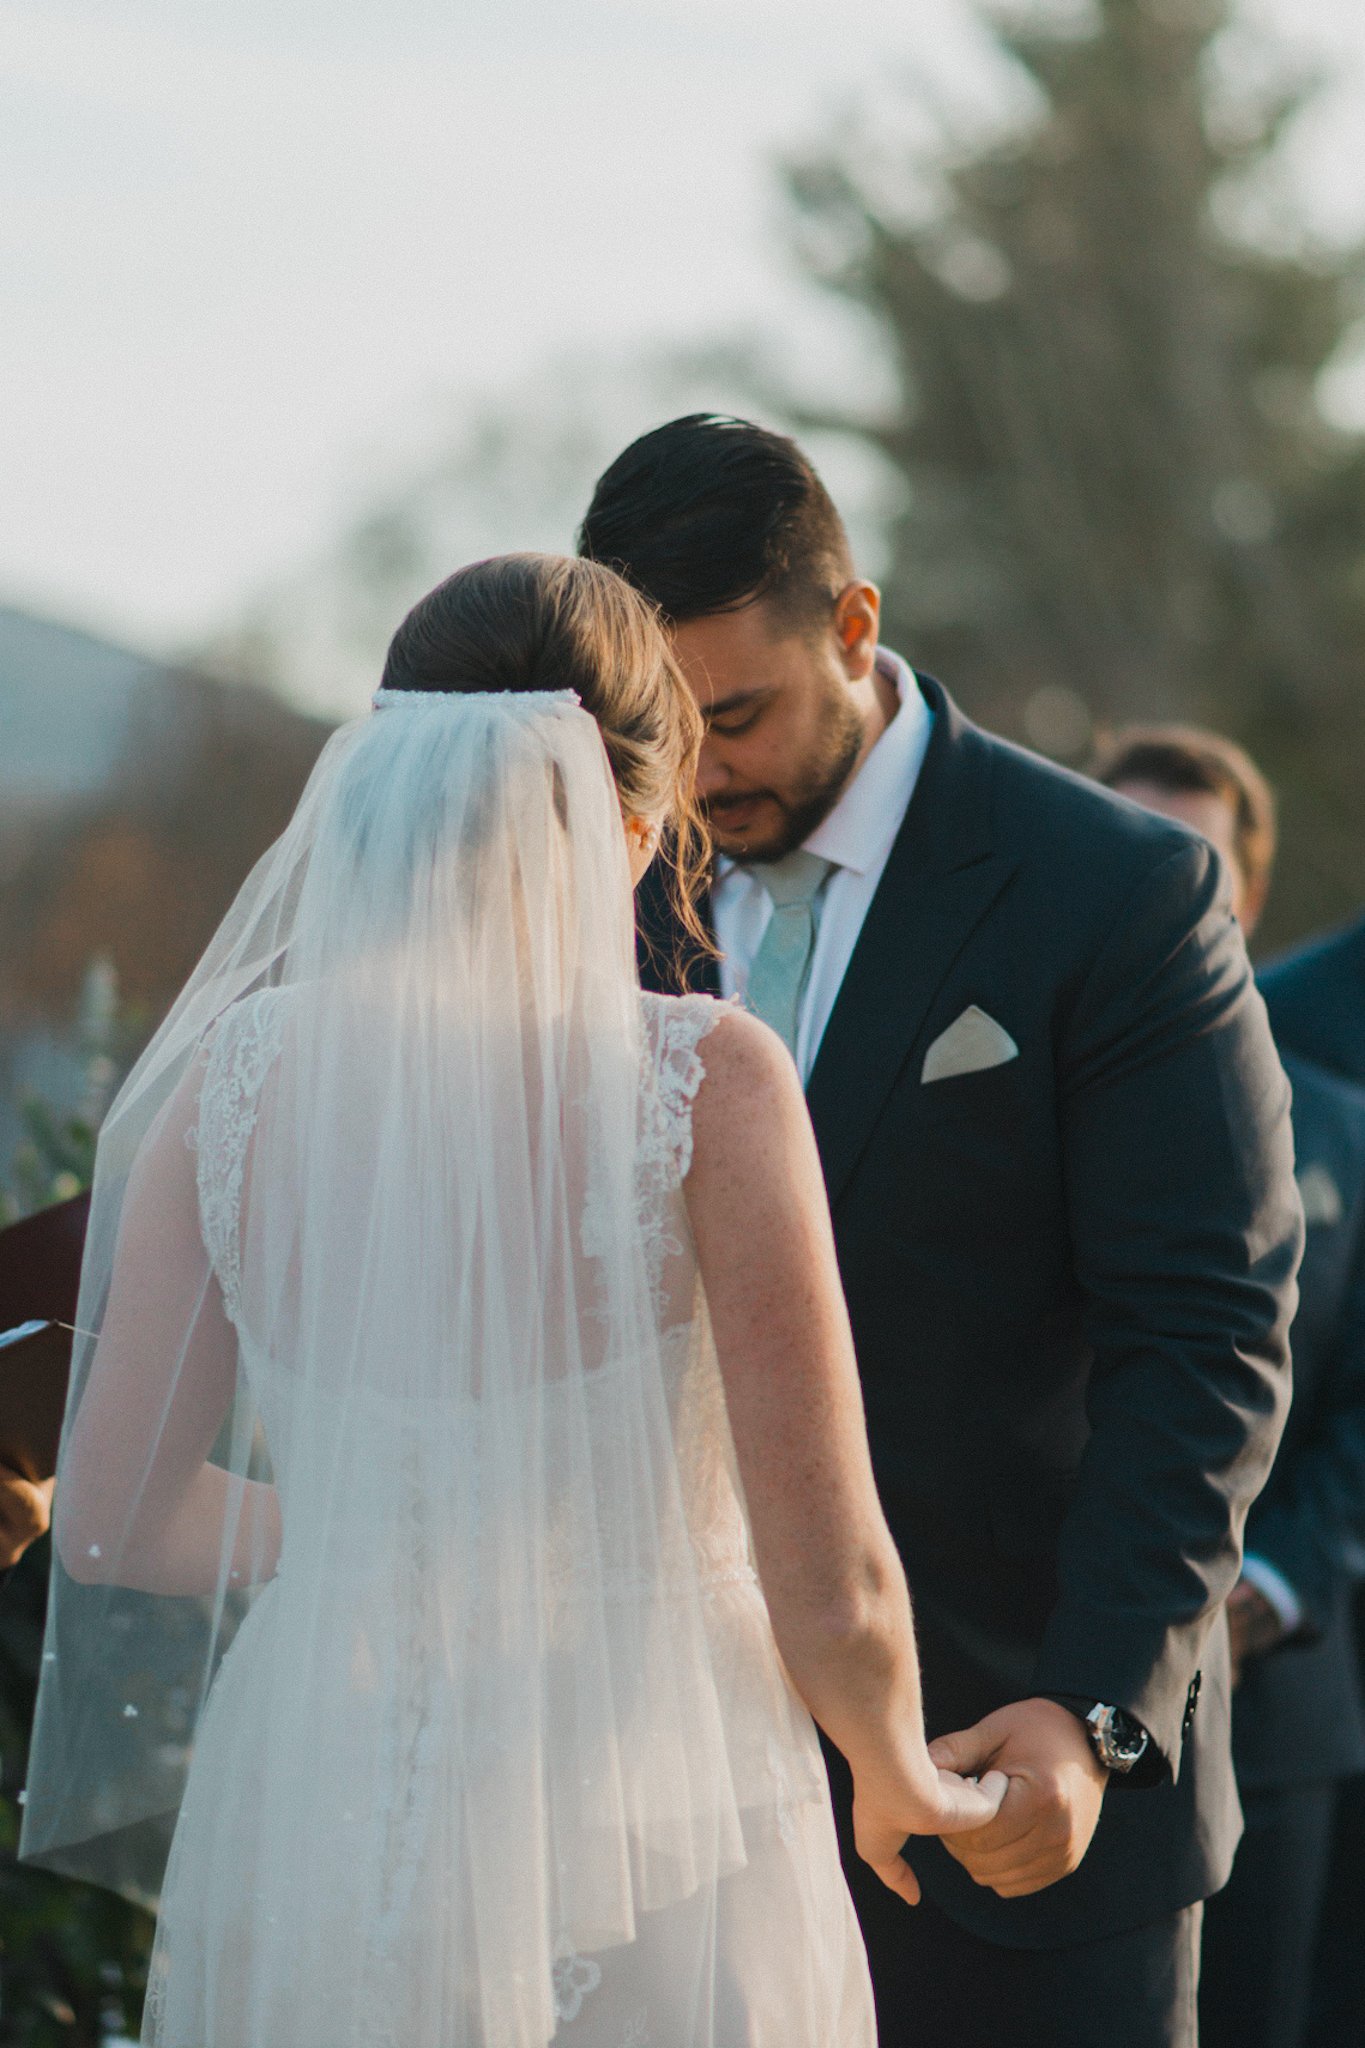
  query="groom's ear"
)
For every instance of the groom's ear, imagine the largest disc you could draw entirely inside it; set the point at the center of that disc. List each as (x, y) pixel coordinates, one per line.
(857, 616)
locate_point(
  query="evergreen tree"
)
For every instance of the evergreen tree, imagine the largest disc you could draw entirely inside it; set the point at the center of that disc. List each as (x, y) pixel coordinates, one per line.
(1123, 499)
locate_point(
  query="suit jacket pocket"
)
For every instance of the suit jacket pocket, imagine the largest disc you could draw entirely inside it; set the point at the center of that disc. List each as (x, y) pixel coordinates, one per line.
(979, 1117)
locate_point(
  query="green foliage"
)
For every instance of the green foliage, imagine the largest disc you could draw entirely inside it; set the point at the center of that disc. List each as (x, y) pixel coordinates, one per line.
(54, 1161)
(73, 1958)
(56, 1157)
(1122, 496)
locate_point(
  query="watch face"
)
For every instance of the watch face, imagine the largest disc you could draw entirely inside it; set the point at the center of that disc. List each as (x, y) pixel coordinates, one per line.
(1120, 1741)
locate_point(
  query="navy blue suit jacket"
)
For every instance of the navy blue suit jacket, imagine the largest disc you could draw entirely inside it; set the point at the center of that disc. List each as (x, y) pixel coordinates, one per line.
(1070, 1278)
(1299, 1717)
(1316, 1000)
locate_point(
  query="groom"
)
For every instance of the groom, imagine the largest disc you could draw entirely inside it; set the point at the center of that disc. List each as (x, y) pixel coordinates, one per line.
(1055, 1137)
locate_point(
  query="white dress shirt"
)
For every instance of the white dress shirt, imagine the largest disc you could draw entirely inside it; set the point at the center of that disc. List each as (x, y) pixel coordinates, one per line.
(857, 838)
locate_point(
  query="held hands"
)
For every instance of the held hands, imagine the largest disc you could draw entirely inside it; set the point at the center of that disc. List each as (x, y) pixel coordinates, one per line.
(937, 1802)
(1051, 1808)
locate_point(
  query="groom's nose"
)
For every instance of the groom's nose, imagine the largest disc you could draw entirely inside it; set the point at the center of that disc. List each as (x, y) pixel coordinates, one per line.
(715, 776)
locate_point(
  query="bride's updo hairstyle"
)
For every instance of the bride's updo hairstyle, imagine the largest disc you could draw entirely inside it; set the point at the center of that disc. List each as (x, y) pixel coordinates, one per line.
(557, 622)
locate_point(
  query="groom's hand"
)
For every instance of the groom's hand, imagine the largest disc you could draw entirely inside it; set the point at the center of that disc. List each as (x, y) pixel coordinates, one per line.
(1050, 1811)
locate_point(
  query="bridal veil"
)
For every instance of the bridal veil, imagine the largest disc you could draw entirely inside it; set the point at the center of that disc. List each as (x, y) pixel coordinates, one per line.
(372, 1369)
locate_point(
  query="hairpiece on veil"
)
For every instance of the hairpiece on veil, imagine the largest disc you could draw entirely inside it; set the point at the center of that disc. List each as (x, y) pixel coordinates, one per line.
(507, 700)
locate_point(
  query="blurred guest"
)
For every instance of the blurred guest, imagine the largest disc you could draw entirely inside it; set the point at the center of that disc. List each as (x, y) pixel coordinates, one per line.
(1298, 1718)
(1316, 998)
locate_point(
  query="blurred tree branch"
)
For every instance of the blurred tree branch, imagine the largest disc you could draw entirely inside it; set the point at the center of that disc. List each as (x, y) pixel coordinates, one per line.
(1122, 497)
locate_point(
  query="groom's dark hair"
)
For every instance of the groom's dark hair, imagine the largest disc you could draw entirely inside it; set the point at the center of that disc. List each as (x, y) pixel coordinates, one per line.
(710, 514)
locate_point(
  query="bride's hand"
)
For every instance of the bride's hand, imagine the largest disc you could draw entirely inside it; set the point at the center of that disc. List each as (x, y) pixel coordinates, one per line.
(940, 1803)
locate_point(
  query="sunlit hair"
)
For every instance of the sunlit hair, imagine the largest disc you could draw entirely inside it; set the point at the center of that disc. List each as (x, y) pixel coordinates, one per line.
(1186, 759)
(554, 622)
(710, 514)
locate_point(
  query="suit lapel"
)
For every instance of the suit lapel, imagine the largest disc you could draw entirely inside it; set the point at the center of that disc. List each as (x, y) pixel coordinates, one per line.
(942, 876)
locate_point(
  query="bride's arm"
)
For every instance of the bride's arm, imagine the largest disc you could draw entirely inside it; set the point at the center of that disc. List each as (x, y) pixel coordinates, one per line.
(137, 1502)
(833, 1580)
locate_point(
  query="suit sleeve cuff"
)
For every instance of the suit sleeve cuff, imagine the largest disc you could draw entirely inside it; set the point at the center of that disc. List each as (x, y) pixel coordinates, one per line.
(1274, 1587)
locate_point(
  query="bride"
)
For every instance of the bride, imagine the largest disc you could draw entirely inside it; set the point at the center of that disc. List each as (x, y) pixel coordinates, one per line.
(464, 1512)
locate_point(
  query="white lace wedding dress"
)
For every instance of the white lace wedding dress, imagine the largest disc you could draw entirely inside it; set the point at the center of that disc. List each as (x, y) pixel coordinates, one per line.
(343, 1893)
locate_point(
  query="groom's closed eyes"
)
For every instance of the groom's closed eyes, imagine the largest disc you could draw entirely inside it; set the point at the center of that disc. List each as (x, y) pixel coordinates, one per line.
(738, 712)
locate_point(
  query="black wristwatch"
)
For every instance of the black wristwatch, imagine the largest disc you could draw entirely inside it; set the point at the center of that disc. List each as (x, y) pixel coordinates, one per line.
(1118, 1739)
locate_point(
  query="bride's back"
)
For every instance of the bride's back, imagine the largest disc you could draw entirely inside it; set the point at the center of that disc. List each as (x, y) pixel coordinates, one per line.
(383, 1330)
(505, 1742)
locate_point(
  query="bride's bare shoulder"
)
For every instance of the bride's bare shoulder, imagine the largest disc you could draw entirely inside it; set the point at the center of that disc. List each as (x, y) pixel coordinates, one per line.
(741, 1047)
(749, 1090)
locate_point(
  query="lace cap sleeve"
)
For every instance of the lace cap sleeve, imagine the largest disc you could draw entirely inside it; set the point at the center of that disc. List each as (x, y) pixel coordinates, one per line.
(677, 1025)
(236, 1060)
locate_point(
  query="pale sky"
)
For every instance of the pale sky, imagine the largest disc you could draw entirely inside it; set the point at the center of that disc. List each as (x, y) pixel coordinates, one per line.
(247, 246)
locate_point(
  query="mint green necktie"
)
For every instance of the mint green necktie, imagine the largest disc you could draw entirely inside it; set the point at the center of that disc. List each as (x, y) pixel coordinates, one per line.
(777, 979)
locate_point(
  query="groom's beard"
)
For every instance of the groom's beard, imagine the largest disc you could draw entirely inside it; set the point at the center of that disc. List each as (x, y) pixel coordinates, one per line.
(788, 818)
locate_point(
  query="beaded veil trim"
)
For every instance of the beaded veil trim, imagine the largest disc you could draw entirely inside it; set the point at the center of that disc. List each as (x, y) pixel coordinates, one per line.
(506, 700)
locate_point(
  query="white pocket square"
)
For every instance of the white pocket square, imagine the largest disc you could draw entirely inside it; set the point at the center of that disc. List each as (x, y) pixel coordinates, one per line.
(971, 1043)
